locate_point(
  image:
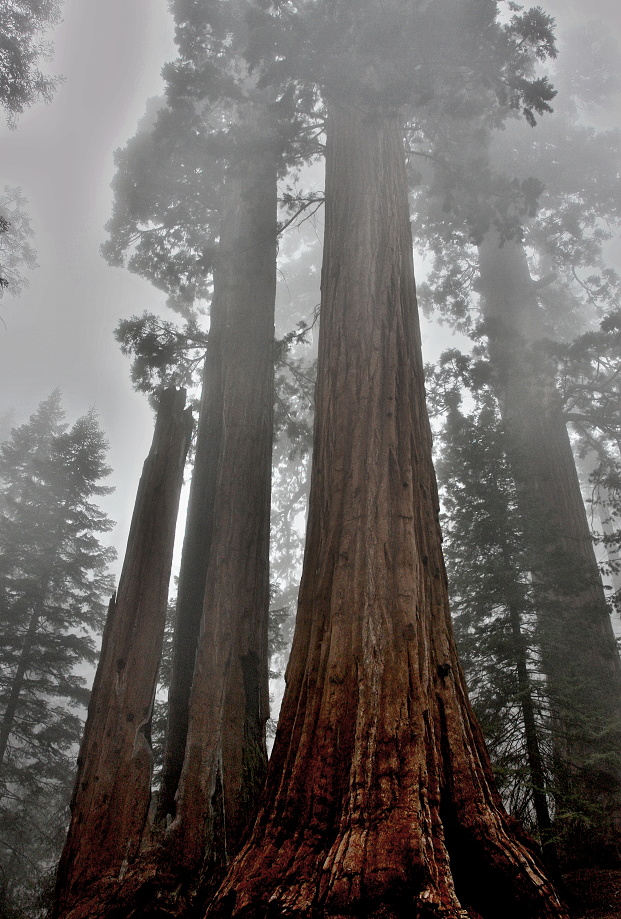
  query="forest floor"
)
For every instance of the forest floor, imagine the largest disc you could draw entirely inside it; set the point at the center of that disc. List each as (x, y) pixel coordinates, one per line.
(594, 894)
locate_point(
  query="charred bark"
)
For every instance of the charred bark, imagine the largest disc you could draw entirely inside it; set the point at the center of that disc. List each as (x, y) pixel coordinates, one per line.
(379, 799)
(579, 654)
(113, 786)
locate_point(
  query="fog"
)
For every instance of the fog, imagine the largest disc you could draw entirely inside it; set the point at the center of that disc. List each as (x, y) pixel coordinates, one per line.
(59, 331)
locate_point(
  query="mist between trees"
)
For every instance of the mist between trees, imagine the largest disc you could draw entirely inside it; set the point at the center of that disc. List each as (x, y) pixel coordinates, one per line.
(446, 746)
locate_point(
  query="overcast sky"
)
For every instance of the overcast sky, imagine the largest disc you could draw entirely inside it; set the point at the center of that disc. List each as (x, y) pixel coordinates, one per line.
(59, 331)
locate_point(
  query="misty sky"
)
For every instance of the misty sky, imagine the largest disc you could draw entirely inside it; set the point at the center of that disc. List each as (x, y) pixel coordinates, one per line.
(59, 331)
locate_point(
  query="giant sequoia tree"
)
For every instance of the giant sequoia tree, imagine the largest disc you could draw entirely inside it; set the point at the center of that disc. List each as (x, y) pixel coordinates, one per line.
(379, 797)
(579, 653)
(112, 793)
(215, 746)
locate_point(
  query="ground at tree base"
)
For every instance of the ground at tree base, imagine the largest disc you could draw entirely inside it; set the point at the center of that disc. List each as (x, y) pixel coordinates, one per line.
(590, 894)
(593, 893)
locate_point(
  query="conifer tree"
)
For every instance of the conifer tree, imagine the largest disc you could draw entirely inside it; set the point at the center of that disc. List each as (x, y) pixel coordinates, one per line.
(377, 801)
(492, 601)
(535, 256)
(54, 581)
(15, 249)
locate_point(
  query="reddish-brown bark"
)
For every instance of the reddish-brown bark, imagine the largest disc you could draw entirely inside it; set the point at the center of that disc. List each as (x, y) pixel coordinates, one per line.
(225, 754)
(113, 786)
(379, 799)
(579, 654)
(194, 562)
(225, 758)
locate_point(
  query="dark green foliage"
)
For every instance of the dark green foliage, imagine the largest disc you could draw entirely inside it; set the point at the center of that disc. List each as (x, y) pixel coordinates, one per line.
(54, 584)
(163, 354)
(491, 596)
(22, 24)
(166, 193)
(507, 606)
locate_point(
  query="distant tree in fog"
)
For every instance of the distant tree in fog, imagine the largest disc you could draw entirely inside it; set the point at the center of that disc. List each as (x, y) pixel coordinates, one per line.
(22, 25)
(16, 252)
(54, 582)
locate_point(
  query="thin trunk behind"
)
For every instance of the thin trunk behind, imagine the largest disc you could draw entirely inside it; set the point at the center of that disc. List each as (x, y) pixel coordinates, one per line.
(579, 654)
(194, 562)
(113, 786)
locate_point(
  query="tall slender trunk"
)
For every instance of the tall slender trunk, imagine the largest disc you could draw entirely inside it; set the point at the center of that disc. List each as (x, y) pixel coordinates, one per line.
(17, 684)
(225, 757)
(194, 562)
(532, 740)
(113, 786)
(379, 799)
(579, 654)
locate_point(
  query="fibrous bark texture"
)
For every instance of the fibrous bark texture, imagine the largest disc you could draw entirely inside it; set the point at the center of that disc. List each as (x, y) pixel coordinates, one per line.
(379, 799)
(194, 562)
(225, 757)
(113, 786)
(578, 649)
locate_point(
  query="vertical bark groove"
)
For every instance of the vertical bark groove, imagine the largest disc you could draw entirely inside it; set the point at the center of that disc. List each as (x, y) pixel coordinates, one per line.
(194, 562)
(379, 783)
(113, 785)
(229, 705)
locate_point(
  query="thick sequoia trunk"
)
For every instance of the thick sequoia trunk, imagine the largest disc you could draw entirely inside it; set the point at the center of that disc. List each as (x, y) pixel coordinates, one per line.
(225, 757)
(113, 785)
(379, 799)
(194, 561)
(579, 655)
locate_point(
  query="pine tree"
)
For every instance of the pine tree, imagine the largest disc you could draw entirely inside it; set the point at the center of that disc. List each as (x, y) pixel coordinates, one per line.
(53, 583)
(492, 604)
